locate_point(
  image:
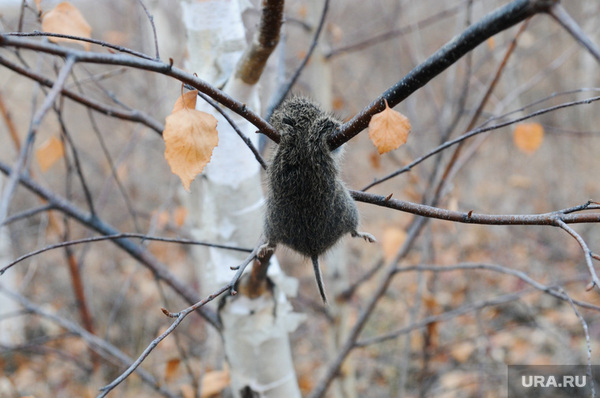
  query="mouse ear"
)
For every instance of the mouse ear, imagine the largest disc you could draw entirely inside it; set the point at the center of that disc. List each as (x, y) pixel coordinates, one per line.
(326, 126)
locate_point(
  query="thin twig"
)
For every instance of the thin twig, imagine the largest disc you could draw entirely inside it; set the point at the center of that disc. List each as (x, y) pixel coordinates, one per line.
(115, 237)
(418, 26)
(151, 19)
(445, 316)
(475, 132)
(100, 346)
(138, 252)
(586, 250)
(84, 39)
(179, 318)
(494, 22)
(451, 167)
(283, 91)
(134, 116)
(235, 127)
(35, 123)
(584, 325)
(561, 15)
(551, 290)
(344, 350)
(150, 65)
(77, 163)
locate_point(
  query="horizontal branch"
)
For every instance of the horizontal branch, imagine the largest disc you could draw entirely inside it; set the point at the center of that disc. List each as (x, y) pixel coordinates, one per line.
(470, 217)
(82, 39)
(118, 236)
(149, 65)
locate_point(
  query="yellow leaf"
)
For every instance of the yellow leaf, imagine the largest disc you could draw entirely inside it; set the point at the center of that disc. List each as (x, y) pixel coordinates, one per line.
(66, 19)
(49, 153)
(393, 238)
(190, 137)
(491, 42)
(388, 129)
(528, 137)
(214, 382)
(187, 100)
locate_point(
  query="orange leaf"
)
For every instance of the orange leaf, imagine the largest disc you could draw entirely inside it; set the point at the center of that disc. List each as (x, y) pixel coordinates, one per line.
(51, 151)
(528, 137)
(491, 42)
(187, 100)
(388, 129)
(66, 19)
(190, 137)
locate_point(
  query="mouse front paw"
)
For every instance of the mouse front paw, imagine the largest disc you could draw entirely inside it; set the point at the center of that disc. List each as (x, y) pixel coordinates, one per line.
(266, 250)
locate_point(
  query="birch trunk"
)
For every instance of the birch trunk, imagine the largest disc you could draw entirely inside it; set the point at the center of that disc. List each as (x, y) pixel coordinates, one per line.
(226, 206)
(11, 327)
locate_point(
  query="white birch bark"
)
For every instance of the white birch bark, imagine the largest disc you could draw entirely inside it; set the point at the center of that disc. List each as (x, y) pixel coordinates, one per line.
(226, 206)
(11, 327)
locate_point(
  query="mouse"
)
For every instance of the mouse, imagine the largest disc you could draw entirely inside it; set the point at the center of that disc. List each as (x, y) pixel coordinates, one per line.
(308, 207)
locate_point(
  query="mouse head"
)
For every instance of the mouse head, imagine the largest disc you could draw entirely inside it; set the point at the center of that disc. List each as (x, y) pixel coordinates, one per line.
(301, 121)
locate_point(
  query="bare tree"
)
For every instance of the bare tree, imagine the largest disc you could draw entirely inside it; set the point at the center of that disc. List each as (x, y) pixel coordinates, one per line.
(105, 108)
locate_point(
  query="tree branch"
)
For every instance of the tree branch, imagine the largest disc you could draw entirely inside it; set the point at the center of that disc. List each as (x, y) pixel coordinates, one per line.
(134, 116)
(254, 59)
(149, 65)
(101, 346)
(496, 21)
(283, 91)
(486, 219)
(136, 251)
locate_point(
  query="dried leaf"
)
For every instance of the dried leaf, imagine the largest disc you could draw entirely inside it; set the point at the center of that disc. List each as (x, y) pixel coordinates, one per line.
(171, 369)
(393, 238)
(187, 391)
(528, 137)
(375, 160)
(179, 215)
(190, 137)
(214, 382)
(388, 129)
(187, 100)
(461, 352)
(66, 19)
(51, 151)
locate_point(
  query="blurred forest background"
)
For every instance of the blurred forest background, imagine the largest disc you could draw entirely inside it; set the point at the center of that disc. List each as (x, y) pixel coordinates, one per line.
(473, 321)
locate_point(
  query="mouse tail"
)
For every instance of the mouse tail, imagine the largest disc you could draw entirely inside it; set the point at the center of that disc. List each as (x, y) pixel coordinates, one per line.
(319, 277)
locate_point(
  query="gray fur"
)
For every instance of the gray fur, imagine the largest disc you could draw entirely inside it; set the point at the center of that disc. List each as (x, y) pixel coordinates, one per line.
(308, 207)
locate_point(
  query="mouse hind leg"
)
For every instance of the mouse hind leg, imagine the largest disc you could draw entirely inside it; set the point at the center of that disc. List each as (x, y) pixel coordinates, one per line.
(365, 235)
